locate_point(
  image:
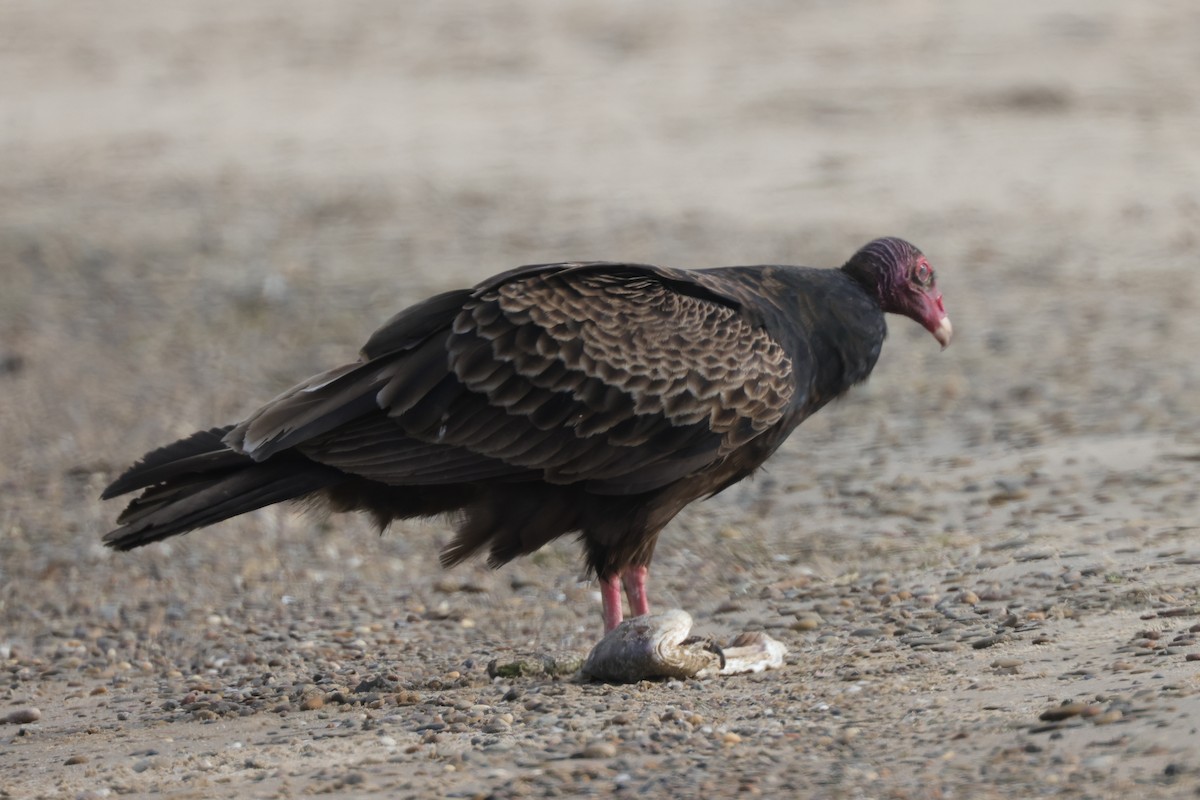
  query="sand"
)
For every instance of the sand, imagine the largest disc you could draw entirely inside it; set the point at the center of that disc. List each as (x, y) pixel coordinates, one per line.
(983, 562)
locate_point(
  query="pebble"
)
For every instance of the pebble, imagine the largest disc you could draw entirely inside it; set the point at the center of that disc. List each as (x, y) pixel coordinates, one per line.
(922, 641)
(989, 641)
(599, 749)
(23, 716)
(1067, 710)
(807, 622)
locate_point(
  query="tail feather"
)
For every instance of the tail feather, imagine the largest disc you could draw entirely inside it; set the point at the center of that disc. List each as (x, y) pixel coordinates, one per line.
(199, 453)
(197, 481)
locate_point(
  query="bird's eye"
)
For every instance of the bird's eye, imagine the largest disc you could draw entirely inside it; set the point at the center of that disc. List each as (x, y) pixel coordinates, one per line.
(924, 274)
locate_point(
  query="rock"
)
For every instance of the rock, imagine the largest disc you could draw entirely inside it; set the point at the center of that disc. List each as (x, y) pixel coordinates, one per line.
(807, 622)
(989, 641)
(1067, 710)
(599, 749)
(497, 726)
(23, 716)
(312, 701)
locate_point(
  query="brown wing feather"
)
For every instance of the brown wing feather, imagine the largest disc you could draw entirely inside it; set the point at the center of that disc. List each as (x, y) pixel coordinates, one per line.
(608, 377)
(667, 353)
(615, 376)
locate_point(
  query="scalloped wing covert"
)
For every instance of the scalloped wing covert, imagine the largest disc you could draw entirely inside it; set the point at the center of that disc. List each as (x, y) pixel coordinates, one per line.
(604, 375)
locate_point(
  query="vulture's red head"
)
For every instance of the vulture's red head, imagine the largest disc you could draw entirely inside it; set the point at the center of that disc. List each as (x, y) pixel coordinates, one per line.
(897, 273)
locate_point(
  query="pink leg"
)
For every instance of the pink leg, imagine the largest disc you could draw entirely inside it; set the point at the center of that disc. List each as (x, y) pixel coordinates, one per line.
(610, 596)
(634, 579)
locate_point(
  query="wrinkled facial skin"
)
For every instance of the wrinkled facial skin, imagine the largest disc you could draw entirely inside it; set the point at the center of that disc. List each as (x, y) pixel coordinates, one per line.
(923, 301)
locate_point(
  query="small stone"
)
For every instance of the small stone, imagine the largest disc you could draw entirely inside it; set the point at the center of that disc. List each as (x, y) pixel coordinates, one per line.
(599, 750)
(23, 716)
(312, 702)
(807, 622)
(1192, 657)
(73, 760)
(497, 726)
(1065, 711)
(989, 641)
(731, 738)
(968, 597)
(867, 633)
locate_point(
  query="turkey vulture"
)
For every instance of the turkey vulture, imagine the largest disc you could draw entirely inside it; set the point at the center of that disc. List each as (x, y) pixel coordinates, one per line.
(591, 398)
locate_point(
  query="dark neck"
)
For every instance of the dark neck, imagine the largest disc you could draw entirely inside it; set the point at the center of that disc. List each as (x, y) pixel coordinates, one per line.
(871, 280)
(829, 323)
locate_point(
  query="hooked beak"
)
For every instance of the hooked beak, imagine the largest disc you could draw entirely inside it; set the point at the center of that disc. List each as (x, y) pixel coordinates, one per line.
(935, 319)
(943, 332)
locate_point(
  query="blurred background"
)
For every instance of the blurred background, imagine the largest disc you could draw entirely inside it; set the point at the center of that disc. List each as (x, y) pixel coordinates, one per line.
(203, 203)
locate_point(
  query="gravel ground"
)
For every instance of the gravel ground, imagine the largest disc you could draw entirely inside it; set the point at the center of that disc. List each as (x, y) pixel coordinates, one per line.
(984, 563)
